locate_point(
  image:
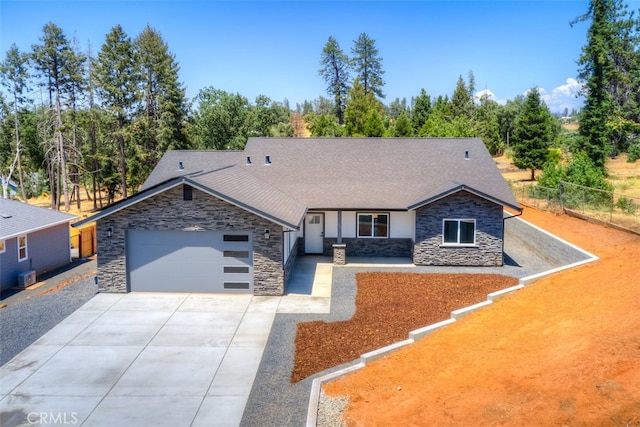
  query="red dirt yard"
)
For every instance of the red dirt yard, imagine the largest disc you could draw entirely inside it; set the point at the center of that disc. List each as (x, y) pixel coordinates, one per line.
(563, 351)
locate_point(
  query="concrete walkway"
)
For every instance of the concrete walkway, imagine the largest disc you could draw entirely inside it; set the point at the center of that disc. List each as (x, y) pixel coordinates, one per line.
(161, 359)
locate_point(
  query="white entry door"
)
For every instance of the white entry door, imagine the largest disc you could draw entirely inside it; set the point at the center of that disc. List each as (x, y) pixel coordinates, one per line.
(313, 233)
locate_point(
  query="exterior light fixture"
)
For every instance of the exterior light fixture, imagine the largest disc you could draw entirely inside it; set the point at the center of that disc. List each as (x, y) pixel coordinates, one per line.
(109, 232)
(267, 234)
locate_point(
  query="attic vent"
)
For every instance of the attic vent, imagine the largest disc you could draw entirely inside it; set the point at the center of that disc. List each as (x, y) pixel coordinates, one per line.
(180, 166)
(5, 215)
(248, 160)
(466, 155)
(267, 159)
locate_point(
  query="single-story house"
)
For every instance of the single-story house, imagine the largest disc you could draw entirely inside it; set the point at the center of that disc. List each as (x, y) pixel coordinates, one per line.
(234, 221)
(32, 239)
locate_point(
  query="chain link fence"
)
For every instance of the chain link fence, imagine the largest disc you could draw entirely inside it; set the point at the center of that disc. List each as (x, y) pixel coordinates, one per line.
(606, 206)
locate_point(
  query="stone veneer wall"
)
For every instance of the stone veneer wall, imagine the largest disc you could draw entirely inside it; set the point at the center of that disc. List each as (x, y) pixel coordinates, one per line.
(428, 249)
(393, 247)
(167, 211)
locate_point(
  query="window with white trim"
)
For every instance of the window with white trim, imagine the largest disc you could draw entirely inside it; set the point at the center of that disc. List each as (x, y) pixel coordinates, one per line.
(2, 246)
(23, 254)
(373, 224)
(459, 232)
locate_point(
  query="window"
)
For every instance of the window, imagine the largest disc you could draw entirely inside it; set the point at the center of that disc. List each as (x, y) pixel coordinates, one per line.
(22, 248)
(2, 247)
(459, 232)
(373, 225)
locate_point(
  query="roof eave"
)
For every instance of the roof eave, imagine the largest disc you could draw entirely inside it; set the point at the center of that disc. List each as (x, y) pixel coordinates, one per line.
(160, 188)
(468, 189)
(136, 198)
(34, 229)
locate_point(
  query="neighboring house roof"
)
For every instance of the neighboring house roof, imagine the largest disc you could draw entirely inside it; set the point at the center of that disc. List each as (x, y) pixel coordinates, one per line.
(17, 218)
(336, 173)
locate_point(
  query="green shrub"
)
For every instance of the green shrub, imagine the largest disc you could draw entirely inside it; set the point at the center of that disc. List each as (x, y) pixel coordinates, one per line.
(626, 205)
(634, 152)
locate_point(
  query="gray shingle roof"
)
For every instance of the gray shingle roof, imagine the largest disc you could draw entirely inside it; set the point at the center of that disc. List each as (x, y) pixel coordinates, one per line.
(18, 218)
(243, 189)
(336, 173)
(357, 173)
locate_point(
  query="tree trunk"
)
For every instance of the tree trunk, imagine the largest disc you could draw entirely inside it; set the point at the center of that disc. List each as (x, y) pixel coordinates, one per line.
(16, 123)
(61, 152)
(533, 176)
(123, 164)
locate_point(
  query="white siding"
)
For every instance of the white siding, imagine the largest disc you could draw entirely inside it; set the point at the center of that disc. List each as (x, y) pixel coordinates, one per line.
(349, 224)
(331, 224)
(402, 224)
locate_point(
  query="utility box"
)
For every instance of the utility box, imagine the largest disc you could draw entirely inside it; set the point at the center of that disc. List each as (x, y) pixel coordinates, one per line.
(27, 278)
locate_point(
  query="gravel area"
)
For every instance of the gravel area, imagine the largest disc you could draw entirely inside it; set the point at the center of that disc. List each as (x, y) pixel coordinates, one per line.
(29, 314)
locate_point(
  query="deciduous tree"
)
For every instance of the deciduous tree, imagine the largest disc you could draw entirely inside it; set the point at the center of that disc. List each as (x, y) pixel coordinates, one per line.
(14, 77)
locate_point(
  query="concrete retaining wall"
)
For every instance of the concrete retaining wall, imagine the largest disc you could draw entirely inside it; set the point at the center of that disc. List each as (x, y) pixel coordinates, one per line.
(556, 251)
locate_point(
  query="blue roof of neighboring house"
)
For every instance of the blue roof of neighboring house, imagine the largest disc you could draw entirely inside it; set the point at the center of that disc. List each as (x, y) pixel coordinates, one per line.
(18, 218)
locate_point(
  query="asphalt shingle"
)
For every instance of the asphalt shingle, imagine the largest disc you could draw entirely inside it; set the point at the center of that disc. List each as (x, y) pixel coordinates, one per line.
(21, 218)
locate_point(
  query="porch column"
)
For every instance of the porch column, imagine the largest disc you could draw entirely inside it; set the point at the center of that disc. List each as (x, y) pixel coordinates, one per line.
(339, 248)
(339, 254)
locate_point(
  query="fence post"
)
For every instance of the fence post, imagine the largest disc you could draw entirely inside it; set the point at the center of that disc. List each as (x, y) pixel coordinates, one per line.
(560, 196)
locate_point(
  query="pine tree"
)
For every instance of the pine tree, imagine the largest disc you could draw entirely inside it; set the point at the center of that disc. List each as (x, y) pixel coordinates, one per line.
(163, 99)
(59, 68)
(403, 128)
(462, 101)
(421, 110)
(608, 66)
(335, 71)
(368, 65)
(487, 125)
(117, 74)
(533, 134)
(359, 105)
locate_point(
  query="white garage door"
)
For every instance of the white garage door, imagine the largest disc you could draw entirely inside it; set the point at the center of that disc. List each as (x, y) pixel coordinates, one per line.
(189, 261)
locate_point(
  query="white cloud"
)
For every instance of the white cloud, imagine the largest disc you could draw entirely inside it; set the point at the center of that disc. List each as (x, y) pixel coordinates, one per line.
(564, 96)
(490, 95)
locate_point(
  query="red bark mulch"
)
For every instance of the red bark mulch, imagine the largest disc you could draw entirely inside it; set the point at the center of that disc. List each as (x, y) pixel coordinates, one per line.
(388, 307)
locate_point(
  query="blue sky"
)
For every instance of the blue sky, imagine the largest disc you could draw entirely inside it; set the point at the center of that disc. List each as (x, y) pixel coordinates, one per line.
(274, 48)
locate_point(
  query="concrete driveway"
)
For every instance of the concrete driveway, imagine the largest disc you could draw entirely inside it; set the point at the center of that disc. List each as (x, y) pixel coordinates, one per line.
(142, 359)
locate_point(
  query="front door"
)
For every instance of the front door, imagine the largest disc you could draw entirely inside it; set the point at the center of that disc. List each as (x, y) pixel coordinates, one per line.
(313, 233)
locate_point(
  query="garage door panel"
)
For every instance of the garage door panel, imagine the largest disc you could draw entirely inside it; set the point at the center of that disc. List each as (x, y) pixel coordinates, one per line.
(180, 261)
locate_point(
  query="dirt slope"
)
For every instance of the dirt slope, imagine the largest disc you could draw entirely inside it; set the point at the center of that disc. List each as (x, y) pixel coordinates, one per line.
(564, 351)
